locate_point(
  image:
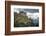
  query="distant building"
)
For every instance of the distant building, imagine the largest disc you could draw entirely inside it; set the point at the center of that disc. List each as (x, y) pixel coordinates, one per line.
(22, 13)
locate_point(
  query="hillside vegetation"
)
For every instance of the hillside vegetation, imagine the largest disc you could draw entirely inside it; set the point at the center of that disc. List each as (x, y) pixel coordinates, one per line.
(20, 20)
